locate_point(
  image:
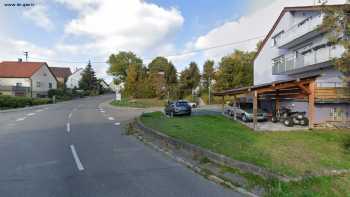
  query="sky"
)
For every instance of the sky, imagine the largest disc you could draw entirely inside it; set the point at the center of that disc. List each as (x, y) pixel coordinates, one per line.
(70, 33)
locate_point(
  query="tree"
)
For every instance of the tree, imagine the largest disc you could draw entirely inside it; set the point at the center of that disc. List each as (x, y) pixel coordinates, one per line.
(235, 70)
(336, 24)
(131, 80)
(162, 75)
(88, 81)
(208, 73)
(119, 64)
(189, 79)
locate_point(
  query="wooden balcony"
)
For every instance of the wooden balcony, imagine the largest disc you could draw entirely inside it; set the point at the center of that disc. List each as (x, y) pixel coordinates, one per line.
(335, 93)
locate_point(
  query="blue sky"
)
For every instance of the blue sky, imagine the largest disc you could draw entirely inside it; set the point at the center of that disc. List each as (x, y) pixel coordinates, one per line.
(62, 31)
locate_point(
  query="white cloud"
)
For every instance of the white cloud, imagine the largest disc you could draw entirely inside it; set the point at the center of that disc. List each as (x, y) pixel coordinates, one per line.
(123, 25)
(254, 24)
(19, 46)
(38, 14)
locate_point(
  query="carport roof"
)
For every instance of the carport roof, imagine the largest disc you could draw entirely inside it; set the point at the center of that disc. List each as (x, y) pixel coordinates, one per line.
(269, 87)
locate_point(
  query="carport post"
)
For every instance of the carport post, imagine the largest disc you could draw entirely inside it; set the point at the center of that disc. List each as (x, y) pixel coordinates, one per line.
(255, 108)
(311, 107)
(223, 103)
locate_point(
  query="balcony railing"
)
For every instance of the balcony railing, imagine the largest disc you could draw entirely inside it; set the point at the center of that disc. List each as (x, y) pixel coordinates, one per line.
(290, 63)
(308, 25)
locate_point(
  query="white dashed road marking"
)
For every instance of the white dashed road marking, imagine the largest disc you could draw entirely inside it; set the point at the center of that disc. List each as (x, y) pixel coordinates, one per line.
(68, 127)
(70, 115)
(39, 110)
(76, 158)
(110, 118)
(117, 123)
(20, 119)
(31, 114)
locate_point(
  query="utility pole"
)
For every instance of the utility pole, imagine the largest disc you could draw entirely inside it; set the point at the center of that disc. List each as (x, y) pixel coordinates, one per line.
(26, 54)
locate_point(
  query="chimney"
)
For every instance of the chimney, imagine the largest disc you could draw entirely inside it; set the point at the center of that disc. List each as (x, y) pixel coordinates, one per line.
(19, 59)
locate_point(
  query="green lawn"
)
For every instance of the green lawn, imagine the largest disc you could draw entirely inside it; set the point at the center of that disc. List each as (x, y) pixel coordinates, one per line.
(288, 153)
(139, 103)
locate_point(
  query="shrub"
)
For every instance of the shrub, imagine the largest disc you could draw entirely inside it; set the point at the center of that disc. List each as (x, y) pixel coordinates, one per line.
(40, 101)
(7, 102)
(60, 94)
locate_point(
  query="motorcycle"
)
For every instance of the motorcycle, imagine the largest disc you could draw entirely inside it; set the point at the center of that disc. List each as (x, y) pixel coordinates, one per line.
(290, 118)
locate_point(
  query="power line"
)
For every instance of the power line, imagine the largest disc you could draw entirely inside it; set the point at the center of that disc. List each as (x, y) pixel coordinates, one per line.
(213, 47)
(167, 56)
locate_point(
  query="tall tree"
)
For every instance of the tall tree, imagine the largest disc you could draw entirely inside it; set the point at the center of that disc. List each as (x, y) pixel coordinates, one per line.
(189, 79)
(208, 73)
(162, 74)
(235, 70)
(171, 74)
(88, 81)
(336, 23)
(119, 64)
(131, 80)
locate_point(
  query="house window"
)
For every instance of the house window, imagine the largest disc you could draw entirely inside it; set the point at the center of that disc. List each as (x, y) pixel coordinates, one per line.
(19, 84)
(45, 74)
(38, 84)
(50, 85)
(338, 114)
(277, 38)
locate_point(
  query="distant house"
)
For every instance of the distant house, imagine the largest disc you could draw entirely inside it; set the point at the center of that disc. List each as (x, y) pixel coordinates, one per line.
(61, 74)
(33, 79)
(73, 80)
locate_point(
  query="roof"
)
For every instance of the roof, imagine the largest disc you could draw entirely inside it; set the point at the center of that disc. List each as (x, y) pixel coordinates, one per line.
(61, 72)
(15, 69)
(289, 9)
(236, 91)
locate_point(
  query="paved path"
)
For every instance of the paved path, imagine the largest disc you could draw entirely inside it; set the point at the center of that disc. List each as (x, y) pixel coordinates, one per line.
(77, 148)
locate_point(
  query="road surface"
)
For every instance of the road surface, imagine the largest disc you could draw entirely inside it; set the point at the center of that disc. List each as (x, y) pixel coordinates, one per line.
(77, 149)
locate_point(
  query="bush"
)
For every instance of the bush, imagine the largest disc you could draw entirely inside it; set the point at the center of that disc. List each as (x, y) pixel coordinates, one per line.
(7, 102)
(60, 94)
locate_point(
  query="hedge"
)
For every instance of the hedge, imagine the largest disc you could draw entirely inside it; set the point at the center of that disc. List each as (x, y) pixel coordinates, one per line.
(7, 102)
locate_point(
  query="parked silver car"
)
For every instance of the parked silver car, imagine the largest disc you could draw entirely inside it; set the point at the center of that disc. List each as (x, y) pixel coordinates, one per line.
(244, 111)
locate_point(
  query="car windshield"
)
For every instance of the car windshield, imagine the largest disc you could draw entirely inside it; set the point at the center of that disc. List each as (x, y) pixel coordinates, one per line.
(181, 104)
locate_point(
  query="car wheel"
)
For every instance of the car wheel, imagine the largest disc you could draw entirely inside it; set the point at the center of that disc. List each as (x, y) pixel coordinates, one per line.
(288, 122)
(304, 122)
(244, 118)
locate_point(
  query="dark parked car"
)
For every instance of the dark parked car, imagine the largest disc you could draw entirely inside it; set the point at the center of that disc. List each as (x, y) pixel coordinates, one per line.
(178, 108)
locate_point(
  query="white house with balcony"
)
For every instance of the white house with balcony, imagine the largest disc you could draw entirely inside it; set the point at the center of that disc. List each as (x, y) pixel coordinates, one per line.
(296, 48)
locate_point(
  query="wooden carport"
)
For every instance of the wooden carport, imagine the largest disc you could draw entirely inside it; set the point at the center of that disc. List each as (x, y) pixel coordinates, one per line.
(300, 88)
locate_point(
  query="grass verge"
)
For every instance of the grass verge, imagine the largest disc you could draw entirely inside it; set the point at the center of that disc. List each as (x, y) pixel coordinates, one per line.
(139, 103)
(288, 153)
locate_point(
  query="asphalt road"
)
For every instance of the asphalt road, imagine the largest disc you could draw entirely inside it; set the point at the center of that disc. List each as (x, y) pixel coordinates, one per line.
(77, 149)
